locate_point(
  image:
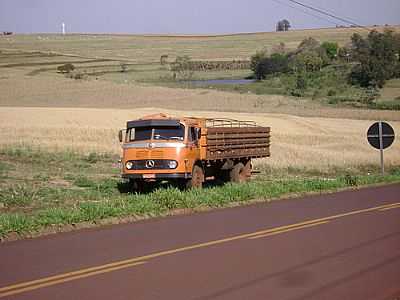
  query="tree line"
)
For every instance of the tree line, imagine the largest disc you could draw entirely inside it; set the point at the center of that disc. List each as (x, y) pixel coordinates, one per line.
(374, 59)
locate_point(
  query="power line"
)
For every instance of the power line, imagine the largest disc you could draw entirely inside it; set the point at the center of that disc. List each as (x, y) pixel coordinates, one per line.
(331, 12)
(306, 12)
(328, 14)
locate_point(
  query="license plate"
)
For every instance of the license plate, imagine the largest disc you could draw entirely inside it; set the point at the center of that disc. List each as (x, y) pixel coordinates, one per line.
(149, 176)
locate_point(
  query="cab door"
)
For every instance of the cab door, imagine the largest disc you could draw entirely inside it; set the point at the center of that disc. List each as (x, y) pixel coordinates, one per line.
(193, 148)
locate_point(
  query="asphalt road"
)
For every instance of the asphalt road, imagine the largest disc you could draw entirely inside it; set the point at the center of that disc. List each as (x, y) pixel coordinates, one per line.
(336, 246)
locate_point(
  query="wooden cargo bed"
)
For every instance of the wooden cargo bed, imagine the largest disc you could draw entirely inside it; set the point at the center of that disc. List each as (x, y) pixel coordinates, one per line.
(237, 142)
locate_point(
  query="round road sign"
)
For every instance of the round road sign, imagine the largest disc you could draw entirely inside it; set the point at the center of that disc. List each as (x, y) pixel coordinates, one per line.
(375, 131)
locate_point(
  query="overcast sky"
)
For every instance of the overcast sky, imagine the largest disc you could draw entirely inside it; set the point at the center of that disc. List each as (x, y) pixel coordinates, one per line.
(184, 16)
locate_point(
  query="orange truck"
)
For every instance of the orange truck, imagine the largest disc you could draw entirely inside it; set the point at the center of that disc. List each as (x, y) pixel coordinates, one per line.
(188, 151)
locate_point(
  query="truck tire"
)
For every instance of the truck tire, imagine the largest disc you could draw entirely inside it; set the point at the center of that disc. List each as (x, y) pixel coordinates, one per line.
(238, 173)
(197, 178)
(138, 186)
(247, 170)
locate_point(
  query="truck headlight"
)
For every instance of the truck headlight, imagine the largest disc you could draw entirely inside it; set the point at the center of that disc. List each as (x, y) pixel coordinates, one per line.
(129, 165)
(172, 164)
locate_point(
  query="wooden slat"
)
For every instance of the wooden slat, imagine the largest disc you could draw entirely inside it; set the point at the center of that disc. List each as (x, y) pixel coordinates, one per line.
(237, 135)
(237, 141)
(238, 154)
(217, 130)
(244, 146)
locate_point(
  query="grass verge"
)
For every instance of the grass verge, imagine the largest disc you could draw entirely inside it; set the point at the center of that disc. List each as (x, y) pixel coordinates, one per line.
(75, 190)
(162, 201)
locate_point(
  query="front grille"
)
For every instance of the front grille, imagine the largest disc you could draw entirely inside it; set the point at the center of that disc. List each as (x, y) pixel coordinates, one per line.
(142, 154)
(146, 154)
(145, 164)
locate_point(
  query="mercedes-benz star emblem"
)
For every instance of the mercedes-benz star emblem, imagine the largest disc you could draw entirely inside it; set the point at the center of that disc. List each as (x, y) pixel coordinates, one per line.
(150, 164)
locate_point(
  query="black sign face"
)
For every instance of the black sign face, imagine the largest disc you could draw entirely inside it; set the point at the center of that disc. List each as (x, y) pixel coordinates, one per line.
(387, 135)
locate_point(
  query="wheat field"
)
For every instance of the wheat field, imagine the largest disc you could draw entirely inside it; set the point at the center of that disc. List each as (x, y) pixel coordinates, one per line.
(297, 142)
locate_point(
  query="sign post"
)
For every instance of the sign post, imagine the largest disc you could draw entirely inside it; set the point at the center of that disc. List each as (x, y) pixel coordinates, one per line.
(380, 135)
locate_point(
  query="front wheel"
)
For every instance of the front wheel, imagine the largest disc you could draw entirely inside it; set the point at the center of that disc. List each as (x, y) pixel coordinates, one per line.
(197, 178)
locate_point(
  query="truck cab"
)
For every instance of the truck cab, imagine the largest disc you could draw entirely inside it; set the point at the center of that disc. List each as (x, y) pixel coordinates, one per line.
(159, 147)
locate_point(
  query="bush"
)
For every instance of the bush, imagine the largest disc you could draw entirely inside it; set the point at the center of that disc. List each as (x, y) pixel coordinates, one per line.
(76, 75)
(263, 66)
(66, 68)
(255, 63)
(331, 49)
(308, 61)
(182, 68)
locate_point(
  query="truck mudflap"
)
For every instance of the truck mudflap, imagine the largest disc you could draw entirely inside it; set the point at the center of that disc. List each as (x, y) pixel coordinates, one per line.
(157, 176)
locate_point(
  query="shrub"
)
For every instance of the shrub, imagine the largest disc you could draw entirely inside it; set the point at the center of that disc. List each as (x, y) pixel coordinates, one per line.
(308, 44)
(182, 68)
(308, 61)
(92, 157)
(263, 66)
(331, 49)
(255, 63)
(66, 68)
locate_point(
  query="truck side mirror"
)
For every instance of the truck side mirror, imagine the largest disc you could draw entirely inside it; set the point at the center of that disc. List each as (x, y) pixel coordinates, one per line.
(120, 135)
(198, 133)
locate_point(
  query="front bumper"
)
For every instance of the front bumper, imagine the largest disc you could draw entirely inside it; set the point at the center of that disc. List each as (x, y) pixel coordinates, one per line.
(157, 176)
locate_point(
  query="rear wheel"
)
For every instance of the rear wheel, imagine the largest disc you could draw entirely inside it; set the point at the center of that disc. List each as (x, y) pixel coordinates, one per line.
(247, 170)
(197, 178)
(238, 173)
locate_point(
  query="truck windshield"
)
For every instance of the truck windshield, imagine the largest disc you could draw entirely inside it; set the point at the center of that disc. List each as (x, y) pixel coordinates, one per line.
(160, 133)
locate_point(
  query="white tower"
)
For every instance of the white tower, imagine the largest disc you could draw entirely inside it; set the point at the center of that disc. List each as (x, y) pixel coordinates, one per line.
(63, 28)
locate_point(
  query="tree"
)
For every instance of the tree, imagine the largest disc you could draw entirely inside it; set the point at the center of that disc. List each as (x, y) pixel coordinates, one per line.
(331, 49)
(307, 61)
(377, 58)
(182, 68)
(263, 65)
(283, 25)
(344, 54)
(255, 63)
(310, 55)
(308, 44)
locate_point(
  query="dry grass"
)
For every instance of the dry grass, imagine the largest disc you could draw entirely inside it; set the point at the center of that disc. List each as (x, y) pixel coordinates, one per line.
(310, 143)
